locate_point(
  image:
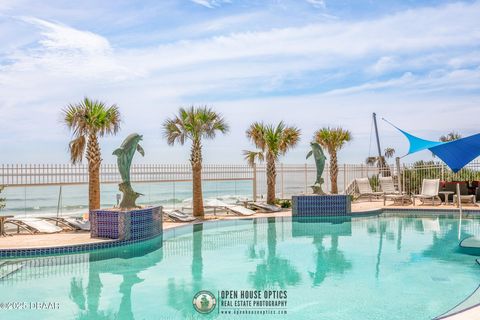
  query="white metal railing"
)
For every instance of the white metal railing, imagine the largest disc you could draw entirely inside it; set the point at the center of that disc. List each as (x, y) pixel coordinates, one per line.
(291, 178)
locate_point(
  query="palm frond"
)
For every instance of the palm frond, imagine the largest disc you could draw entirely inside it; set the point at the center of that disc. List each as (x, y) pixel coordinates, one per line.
(252, 156)
(256, 133)
(451, 136)
(194, 123)
(333, 139)
(77, 149)
(389, 152)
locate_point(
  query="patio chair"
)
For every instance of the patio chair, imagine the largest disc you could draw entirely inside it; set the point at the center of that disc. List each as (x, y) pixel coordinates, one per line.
(33, 225)
(265, 207)
(389, 191)
(233, 208)
(179, 216)
(365, 189)
(70, 223)
(430, 189)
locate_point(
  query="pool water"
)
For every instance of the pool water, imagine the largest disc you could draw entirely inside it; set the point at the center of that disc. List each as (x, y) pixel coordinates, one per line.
(377, 267)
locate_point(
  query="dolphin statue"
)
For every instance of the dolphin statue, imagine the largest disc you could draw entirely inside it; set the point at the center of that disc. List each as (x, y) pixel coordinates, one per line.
(125, 154)
(320, 158)
(124, 161)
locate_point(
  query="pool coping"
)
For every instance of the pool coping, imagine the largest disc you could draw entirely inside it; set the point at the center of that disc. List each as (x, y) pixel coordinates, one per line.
(25, 252)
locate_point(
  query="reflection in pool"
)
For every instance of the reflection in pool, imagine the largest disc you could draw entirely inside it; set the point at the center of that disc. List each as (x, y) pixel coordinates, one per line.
(377, 267)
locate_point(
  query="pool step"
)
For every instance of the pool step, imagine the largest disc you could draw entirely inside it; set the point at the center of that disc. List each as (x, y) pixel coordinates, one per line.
(7, 268)
(467, 309)
(470, 246)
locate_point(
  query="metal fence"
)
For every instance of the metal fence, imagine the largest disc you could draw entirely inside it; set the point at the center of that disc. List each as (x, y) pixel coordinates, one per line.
(291, 178)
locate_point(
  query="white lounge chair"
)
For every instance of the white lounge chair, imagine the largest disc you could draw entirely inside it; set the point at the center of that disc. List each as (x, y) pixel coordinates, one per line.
(266, 207)
(240, 210)
(389, 191)
(236, 209)
(179, 216)
(78, 223)
(430, 189)
(34, 225)
(70, 223)
(365, 189)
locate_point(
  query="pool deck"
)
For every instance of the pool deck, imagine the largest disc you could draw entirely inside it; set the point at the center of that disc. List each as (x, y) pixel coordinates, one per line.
(22, 241)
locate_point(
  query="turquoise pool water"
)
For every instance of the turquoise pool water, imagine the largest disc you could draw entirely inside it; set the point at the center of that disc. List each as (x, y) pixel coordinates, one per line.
(386, 267)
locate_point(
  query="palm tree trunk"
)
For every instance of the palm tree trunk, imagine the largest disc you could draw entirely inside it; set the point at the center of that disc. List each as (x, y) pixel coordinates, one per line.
(271, 178)
(94, 161)
(196, 162)
(333, 171)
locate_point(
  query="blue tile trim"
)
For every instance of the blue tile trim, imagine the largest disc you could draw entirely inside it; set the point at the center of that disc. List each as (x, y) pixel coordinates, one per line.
(321, 205)
(133, 227)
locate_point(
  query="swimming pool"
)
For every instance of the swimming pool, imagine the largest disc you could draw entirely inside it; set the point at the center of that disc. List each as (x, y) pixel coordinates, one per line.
(373, 267)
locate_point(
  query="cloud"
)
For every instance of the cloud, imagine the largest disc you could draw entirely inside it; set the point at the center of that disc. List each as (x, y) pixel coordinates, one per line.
(328, 72)
(317, 3)
(211, 3)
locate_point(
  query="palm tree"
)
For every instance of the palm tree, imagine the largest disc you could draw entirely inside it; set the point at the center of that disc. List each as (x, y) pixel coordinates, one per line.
(333, 139)
(195, 124)
(89, 120)
(272, 142)
(451, 136)
(382, 162)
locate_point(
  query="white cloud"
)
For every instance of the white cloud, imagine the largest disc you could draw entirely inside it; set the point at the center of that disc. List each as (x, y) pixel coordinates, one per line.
(149, 83)
(318, 3)
(210, 3)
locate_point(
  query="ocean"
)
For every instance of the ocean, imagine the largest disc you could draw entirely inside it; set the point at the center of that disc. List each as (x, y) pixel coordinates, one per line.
(44, 200)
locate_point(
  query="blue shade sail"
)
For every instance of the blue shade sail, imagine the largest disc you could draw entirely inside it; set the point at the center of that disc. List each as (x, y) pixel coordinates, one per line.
(456, 154)
(419, 144)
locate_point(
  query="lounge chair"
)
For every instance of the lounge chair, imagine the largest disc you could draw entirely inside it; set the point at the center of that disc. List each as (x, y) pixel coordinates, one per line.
(70, 223)
(266, 207)
(179, 216)
(365, 189)
(429, 191)
(233, 208)
(78, 223)
(34, 225)
(240, 210)
(389, 191)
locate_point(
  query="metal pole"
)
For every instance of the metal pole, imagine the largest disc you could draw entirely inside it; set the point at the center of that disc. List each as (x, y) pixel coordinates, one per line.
(59, 201)
(254, 182)
(281, 167)
(459, 201)
(380, 158)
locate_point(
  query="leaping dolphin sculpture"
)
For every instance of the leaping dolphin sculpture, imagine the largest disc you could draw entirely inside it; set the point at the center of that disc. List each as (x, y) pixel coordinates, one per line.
(320, 158)
(124, 161)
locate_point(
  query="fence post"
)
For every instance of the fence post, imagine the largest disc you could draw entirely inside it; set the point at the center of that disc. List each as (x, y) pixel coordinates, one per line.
(281, 173)
(306, 178)
(399, 176)
(254, 182)
(344, 178)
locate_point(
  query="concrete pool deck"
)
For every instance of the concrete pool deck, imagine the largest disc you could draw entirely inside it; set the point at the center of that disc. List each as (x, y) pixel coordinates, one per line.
(26, 241)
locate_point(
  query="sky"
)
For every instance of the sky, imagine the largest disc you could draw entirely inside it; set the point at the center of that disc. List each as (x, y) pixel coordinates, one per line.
(310, 63)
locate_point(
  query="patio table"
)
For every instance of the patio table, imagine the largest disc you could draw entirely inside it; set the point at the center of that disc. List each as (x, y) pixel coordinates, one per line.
(446, 194)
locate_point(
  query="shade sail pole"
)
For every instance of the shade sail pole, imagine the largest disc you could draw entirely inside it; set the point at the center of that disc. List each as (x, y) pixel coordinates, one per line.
(381, 163)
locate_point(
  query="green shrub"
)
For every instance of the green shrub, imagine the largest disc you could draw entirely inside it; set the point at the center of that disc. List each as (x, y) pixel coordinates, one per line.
(283, 203)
